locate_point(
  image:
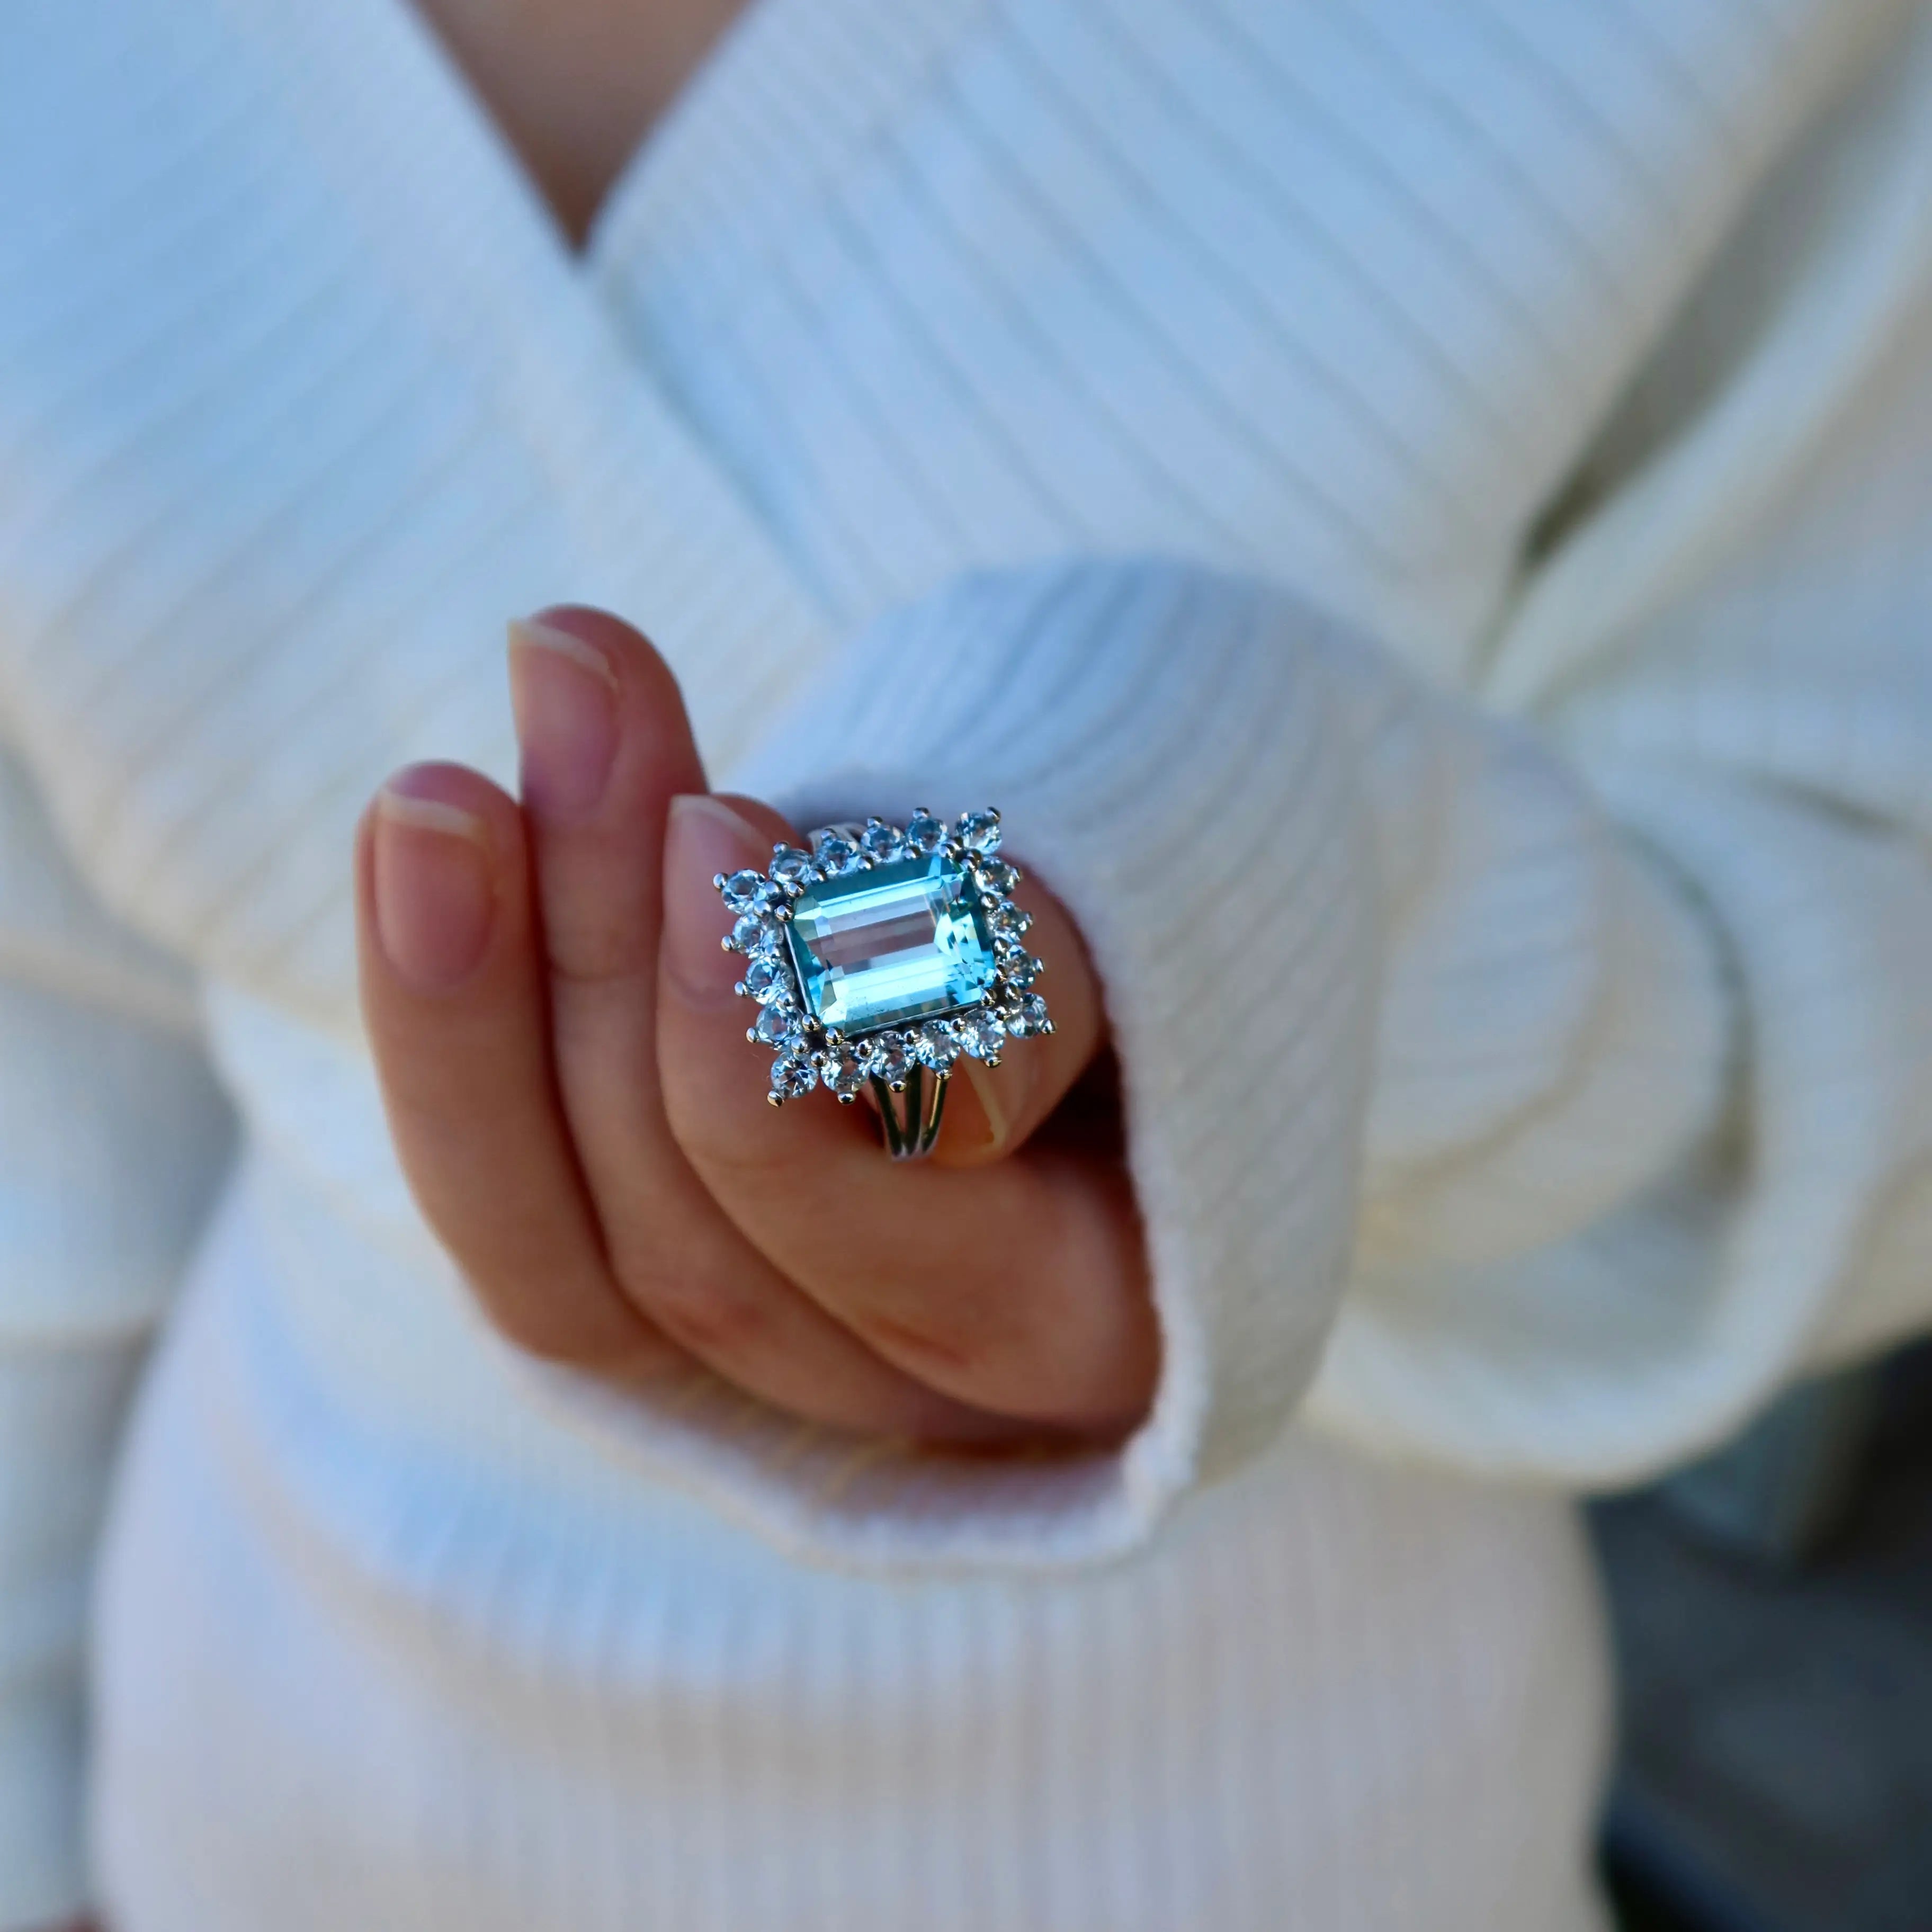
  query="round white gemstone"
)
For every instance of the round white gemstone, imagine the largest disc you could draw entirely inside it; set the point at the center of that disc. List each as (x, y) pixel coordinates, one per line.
(843, 1069)
(979, 831)
(995, 876)
(792, 1076)
(883, 843)
(887, 1059)
(925, 833)
(750, 892)
(1028, 1017)
(1020, 969)
(754, 935)
(780, 1026)
(832, 852)
(934, 1046)
(768, 982)
(791, 868)
(981, 1033)
(1010, 921)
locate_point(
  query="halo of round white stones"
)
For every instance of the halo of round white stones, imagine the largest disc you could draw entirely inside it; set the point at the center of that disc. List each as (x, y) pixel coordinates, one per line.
(880, 953)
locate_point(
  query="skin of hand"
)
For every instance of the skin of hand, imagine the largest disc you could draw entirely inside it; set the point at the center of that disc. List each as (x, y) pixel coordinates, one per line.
(564, 1066)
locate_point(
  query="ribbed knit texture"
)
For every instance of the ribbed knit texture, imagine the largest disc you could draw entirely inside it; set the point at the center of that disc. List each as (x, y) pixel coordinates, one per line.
(1497, 812)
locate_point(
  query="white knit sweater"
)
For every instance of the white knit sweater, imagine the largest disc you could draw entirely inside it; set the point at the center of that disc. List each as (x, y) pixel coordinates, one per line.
(1500, 825)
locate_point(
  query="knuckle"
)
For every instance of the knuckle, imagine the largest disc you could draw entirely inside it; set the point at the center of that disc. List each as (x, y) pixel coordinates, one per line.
(735, 1157)
(593, 947)
(993, 1351)
(932, 1342)
(733, 1172)
(718, 1324)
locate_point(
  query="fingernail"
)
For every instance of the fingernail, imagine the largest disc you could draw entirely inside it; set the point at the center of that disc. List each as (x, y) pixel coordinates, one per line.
(564, 692)
(986, 1086)
(435, 895)
(704, 838)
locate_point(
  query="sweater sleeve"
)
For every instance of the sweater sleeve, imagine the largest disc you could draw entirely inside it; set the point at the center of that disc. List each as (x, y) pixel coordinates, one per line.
(1730, 648)
(111, 1133)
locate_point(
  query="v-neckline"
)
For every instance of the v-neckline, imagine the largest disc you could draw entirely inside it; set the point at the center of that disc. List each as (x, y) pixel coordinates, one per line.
(837, 65)
(457, 219)
(562, 88)
(644, 514)
(811, 80)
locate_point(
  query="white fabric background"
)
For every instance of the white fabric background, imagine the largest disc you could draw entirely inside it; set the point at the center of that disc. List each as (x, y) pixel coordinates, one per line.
(1531, 402)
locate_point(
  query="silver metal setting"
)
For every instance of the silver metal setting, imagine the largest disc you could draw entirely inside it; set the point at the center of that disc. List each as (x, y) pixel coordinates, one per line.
(911, 1118)
(903, 1069)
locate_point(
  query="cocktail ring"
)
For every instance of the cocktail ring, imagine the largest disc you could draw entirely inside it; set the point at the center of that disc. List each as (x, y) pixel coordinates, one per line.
(880, 956)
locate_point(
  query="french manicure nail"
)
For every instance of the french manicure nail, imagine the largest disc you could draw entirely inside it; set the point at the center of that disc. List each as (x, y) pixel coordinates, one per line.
(564, 691)
(702, 837)
(434, 893)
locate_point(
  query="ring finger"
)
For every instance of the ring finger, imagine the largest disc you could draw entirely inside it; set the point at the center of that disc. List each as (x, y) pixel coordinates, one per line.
(1016, 1284)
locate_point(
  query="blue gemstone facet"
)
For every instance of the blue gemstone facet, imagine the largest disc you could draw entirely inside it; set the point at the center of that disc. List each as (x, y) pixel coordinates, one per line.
(899, 942)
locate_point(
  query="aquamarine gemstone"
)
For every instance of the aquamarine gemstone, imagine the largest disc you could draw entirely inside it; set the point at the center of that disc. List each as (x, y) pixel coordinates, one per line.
(897, 943)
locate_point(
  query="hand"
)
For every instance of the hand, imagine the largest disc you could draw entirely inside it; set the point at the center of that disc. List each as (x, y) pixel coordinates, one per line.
(564, 1064)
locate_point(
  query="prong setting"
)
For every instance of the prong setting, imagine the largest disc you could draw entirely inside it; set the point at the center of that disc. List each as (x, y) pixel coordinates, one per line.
(905, 1054)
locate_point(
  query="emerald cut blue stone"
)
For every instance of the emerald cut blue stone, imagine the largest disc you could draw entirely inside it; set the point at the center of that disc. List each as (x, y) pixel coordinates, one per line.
(897, 943)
